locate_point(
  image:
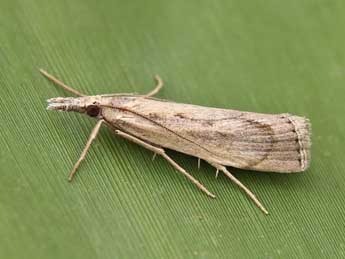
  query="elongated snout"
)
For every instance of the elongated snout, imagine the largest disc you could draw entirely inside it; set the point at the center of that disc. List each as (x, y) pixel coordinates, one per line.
(65, 104)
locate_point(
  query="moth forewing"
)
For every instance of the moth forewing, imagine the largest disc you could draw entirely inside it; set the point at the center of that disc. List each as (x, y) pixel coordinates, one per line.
(278, 143)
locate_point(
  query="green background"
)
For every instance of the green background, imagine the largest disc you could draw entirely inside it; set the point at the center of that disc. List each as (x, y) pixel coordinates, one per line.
(264, 56)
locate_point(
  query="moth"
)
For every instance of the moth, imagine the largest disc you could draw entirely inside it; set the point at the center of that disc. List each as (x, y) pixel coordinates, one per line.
(221, 137)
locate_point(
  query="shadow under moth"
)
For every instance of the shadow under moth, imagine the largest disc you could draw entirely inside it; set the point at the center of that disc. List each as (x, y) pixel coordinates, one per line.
(221, 137)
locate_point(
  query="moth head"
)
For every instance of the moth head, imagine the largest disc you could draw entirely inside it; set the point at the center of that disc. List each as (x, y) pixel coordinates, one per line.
(90, 105)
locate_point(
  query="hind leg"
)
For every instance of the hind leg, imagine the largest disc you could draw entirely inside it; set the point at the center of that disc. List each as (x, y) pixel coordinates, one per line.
(239, 184)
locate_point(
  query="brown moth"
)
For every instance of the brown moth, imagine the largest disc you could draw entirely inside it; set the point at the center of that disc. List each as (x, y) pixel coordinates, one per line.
(221, 137)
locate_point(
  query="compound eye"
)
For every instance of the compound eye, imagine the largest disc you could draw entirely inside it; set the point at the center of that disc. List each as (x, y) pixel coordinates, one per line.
(92, 110)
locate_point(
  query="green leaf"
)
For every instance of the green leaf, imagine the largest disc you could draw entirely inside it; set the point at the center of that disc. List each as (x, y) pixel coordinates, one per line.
(263, 56)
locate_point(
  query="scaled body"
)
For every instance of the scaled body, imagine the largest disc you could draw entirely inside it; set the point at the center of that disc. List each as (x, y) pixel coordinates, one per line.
(279, 143)
(222, 137)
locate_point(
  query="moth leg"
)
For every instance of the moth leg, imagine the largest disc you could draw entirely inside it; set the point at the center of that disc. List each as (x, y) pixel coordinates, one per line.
(154, 156)
(59, 83)
(217, 172)
(158, 87)
(239, 184)
(92, 137)
(161, 152)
